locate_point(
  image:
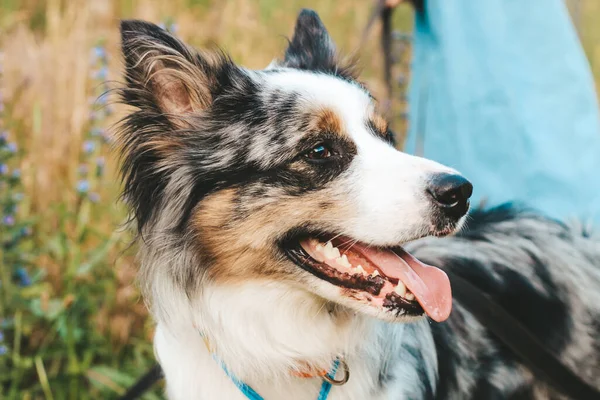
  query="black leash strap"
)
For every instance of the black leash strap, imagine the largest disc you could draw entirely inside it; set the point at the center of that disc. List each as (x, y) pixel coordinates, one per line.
(143, 384)
(382, 13)
(520, 341)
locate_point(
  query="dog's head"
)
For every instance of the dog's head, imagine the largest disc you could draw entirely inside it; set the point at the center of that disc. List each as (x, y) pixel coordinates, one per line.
(284, 175)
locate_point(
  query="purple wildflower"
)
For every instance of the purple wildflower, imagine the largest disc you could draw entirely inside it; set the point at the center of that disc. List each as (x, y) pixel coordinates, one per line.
(12, 147)
(3, 169)
(3, 350)
(83, 186)
(89, 146)
(23, 276)
(101, 74)
(98, 53)
(8, 220)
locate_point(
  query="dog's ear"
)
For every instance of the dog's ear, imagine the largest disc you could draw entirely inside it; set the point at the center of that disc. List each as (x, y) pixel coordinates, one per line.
(311, 47)
(163, 74)
(170, 86)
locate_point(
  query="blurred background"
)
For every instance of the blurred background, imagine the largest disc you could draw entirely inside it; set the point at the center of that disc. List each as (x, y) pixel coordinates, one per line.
(72, 324)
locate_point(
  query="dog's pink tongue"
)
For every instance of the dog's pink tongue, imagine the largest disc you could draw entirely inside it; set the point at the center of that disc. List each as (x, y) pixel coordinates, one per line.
(429, 284)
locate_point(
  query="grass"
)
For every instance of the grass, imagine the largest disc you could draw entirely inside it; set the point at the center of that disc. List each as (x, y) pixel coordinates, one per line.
(72, 325)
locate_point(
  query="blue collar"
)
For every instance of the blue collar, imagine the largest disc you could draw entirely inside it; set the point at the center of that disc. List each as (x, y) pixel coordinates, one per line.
(252, 395)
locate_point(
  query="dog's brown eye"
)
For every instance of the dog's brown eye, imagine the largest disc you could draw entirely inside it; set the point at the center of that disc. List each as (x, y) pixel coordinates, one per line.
(319, 152)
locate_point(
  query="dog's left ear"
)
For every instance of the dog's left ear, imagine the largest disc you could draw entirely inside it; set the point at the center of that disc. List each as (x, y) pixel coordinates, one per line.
(311, 47)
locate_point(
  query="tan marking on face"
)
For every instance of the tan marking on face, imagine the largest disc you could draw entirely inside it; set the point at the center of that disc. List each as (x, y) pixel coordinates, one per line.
(327, 120)
(380, 124)
(244, 245)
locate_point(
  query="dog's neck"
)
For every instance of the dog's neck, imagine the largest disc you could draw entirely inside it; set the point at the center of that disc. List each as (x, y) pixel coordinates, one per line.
(269, 331)
(263, 332)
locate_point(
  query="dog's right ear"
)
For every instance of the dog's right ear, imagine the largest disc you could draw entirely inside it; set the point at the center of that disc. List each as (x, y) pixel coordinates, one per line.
(312, 48)
(164, 75)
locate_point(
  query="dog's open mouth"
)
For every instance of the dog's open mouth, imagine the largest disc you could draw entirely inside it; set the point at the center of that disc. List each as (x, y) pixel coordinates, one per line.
(390, 278)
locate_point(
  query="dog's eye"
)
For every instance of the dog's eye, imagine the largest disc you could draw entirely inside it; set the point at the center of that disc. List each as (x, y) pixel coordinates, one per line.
(319, 152)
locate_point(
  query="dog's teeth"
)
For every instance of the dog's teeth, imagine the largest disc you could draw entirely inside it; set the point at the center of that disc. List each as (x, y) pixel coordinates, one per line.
(343, 261)
(409, 296)
(360, 270)
(328, 250)
(336, 252)
(375, 273)
(331, 252)
(400, 289)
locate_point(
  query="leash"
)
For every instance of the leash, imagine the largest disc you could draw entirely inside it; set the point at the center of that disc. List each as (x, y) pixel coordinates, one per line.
(534, 354)
(144, 383)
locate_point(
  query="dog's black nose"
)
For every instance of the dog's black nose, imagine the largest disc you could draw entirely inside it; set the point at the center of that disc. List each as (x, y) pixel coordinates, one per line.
(451, 192)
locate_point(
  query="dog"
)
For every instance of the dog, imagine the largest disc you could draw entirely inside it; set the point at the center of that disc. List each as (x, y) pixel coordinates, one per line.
(285, 243)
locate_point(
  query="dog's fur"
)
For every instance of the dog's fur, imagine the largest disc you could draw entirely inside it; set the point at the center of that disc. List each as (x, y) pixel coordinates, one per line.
(214, 173)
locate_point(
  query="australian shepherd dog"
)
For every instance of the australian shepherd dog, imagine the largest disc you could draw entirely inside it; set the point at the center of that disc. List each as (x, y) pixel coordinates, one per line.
(281, 234)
